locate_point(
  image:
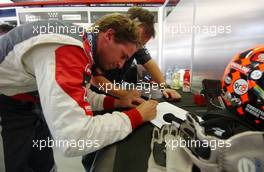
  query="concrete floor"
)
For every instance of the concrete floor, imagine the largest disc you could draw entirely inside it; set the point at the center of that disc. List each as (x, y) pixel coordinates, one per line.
(66, 164)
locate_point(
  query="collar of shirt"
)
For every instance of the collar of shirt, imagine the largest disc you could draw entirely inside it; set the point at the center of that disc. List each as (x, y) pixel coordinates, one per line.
(89, 43)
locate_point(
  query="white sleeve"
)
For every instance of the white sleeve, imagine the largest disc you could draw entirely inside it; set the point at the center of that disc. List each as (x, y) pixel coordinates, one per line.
(67, 117)
(96, 100)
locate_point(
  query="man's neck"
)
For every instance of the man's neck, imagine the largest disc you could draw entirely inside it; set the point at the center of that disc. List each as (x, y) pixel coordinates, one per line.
(98, 48)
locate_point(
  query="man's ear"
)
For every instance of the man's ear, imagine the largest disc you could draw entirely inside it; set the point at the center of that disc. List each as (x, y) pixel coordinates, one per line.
(110, 34)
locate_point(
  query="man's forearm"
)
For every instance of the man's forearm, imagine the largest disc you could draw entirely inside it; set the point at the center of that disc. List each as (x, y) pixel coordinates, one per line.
(103, 84)
(154, 71)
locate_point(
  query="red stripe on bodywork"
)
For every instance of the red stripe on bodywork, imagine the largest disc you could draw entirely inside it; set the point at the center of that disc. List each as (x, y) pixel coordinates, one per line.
(70, 66)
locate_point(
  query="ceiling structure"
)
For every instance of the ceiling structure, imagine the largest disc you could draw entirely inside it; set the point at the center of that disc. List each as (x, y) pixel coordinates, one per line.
(76, 2)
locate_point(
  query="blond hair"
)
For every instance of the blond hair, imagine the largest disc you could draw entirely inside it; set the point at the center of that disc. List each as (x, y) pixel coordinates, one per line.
(125, 29)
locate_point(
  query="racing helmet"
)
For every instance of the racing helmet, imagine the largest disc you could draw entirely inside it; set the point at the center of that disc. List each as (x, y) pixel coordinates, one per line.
(243, 86)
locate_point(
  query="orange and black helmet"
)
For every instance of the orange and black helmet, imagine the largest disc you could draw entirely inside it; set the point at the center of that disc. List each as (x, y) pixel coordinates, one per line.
(243, 86)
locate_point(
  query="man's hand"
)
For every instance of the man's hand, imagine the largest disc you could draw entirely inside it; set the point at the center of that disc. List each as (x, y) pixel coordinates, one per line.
(171, 95)
(148, 110)
(128, 102)
(133, 93)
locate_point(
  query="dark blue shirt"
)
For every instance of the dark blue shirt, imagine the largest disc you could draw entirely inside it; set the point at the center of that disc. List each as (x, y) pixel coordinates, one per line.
(142, 56)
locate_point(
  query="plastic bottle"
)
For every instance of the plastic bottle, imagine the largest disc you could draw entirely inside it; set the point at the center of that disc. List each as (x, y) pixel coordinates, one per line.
(168, 76)
(186, 81)
(176, 79)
